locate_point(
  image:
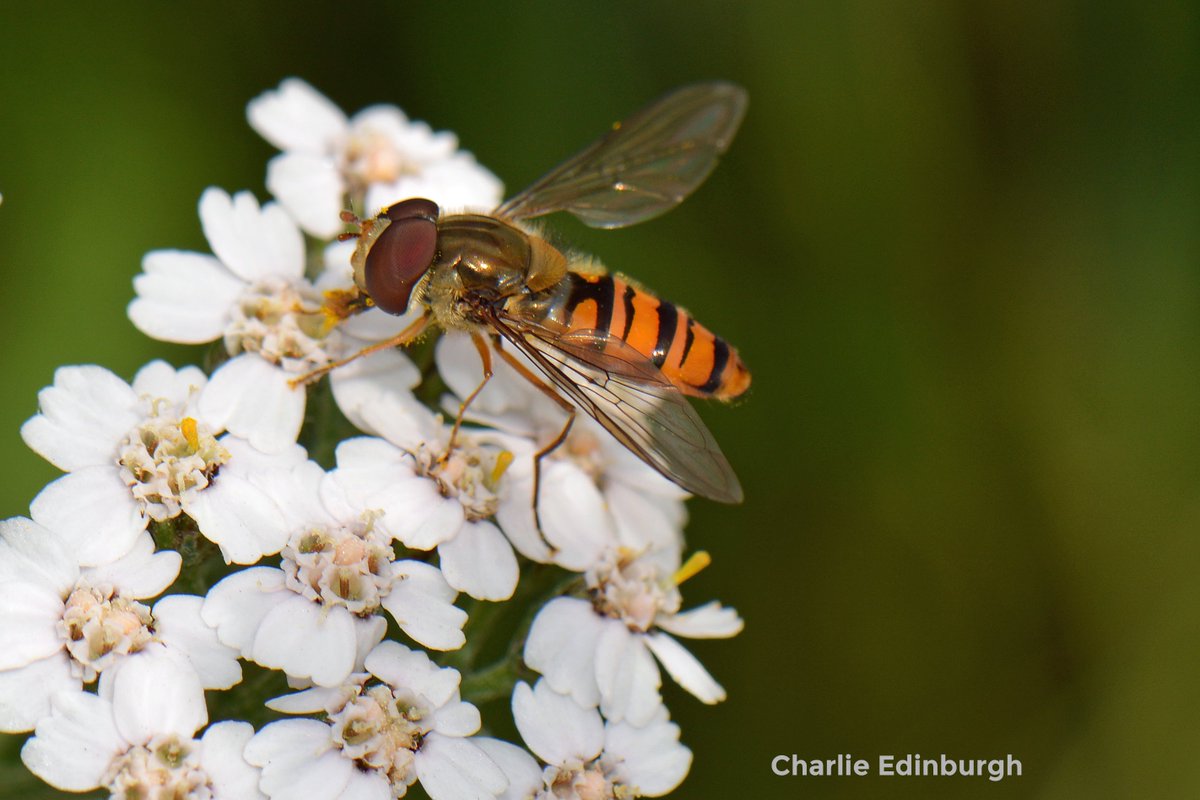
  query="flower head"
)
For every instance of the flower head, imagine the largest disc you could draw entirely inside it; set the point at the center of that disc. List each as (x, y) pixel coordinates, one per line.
(585, 757)
(137, 741)
(321, 610)
(372, 159)
(66, 625)
(403, 722)
(599, 650)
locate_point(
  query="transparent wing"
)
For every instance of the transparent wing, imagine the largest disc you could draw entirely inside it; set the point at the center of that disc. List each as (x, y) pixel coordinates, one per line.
(645, 165)
(627, 394)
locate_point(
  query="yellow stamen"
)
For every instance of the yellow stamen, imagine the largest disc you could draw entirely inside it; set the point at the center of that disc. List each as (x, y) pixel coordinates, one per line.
(698, 561)
(503, 462)
(187, 427)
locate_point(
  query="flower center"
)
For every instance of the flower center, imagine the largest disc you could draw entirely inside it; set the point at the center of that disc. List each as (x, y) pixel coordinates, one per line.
(470, 473)
(163, 769)
(99, 628)
(634, 592)
(372, 157)
(381, 729)
(283, 322)
(582, 781)
(349, 566)
(165, 459)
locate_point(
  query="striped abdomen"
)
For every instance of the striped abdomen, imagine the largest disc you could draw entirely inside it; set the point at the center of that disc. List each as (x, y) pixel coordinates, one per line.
(693, 358)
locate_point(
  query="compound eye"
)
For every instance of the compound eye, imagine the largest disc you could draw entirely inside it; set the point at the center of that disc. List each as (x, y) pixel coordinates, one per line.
(413, 207)
(399, 258)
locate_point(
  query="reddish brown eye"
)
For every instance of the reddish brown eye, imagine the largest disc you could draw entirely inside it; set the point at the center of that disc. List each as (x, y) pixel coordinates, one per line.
(413, 207)
(402, 254)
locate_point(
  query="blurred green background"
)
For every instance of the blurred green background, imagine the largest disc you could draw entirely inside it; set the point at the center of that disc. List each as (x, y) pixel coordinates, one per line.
(956, 242)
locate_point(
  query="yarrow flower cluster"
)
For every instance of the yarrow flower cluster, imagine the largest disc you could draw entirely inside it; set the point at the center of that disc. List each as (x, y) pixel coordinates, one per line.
(350, 536)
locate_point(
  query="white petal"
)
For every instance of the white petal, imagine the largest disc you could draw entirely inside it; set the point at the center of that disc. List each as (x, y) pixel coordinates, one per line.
(178, 625)
(555, 727)
(160, 379)
(650, 759)
(368, 632)
(456, 769)
(255, 243)
(75, 746)
(456, 185)
(687, 671)
(140, 573)
(459, 365)
(237, 605)
(574, 516)
(440, 519)
(562, 646)
(94, 512)
(251, 397)
(645, 520)
(298, 761)
(457, 719)
(155, 692)
(522, 771)
(396, 665)
(367, 786)
(309, 701)
(221, 757)
(25, 693)
(28, 626)
(183, 297)
(307, 640)
(422, 603)
(627, 675)
(239, 518)
(709, 621)
(480, 562)
(297, 117)
(311, 189)
(32, 553)
(83, 416)
(377, 389)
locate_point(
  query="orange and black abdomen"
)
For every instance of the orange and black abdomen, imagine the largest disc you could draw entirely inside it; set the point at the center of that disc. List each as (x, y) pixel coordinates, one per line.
(693, 358)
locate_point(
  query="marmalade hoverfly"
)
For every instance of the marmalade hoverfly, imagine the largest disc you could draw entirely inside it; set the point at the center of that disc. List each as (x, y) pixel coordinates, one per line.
(605, 344)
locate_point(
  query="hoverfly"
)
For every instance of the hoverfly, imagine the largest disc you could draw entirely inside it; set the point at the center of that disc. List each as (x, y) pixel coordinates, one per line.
(605, 345)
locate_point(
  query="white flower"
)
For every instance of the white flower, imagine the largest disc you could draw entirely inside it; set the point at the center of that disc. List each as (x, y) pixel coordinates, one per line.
(64, 626)
(595, 495)
(432, 498)
(598, 650)
(137, 741)
(147, 452)
(377, 157)
(585, 757)
(377, 739)
(318, 614)
(252, 294)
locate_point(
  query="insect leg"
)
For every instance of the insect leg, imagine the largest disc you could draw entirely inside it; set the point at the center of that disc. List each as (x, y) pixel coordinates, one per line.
(405, 336)
(565, 405)
(485, 355)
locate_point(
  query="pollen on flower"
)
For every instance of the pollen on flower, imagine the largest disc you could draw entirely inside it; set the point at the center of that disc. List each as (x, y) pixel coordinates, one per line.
(348, 566)
(98, 627)
(371, 156)
(634, 592)
(471, 473)
(164, 767)
(381, 729)
(165, 459)
(584, 781)
(284, 322)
